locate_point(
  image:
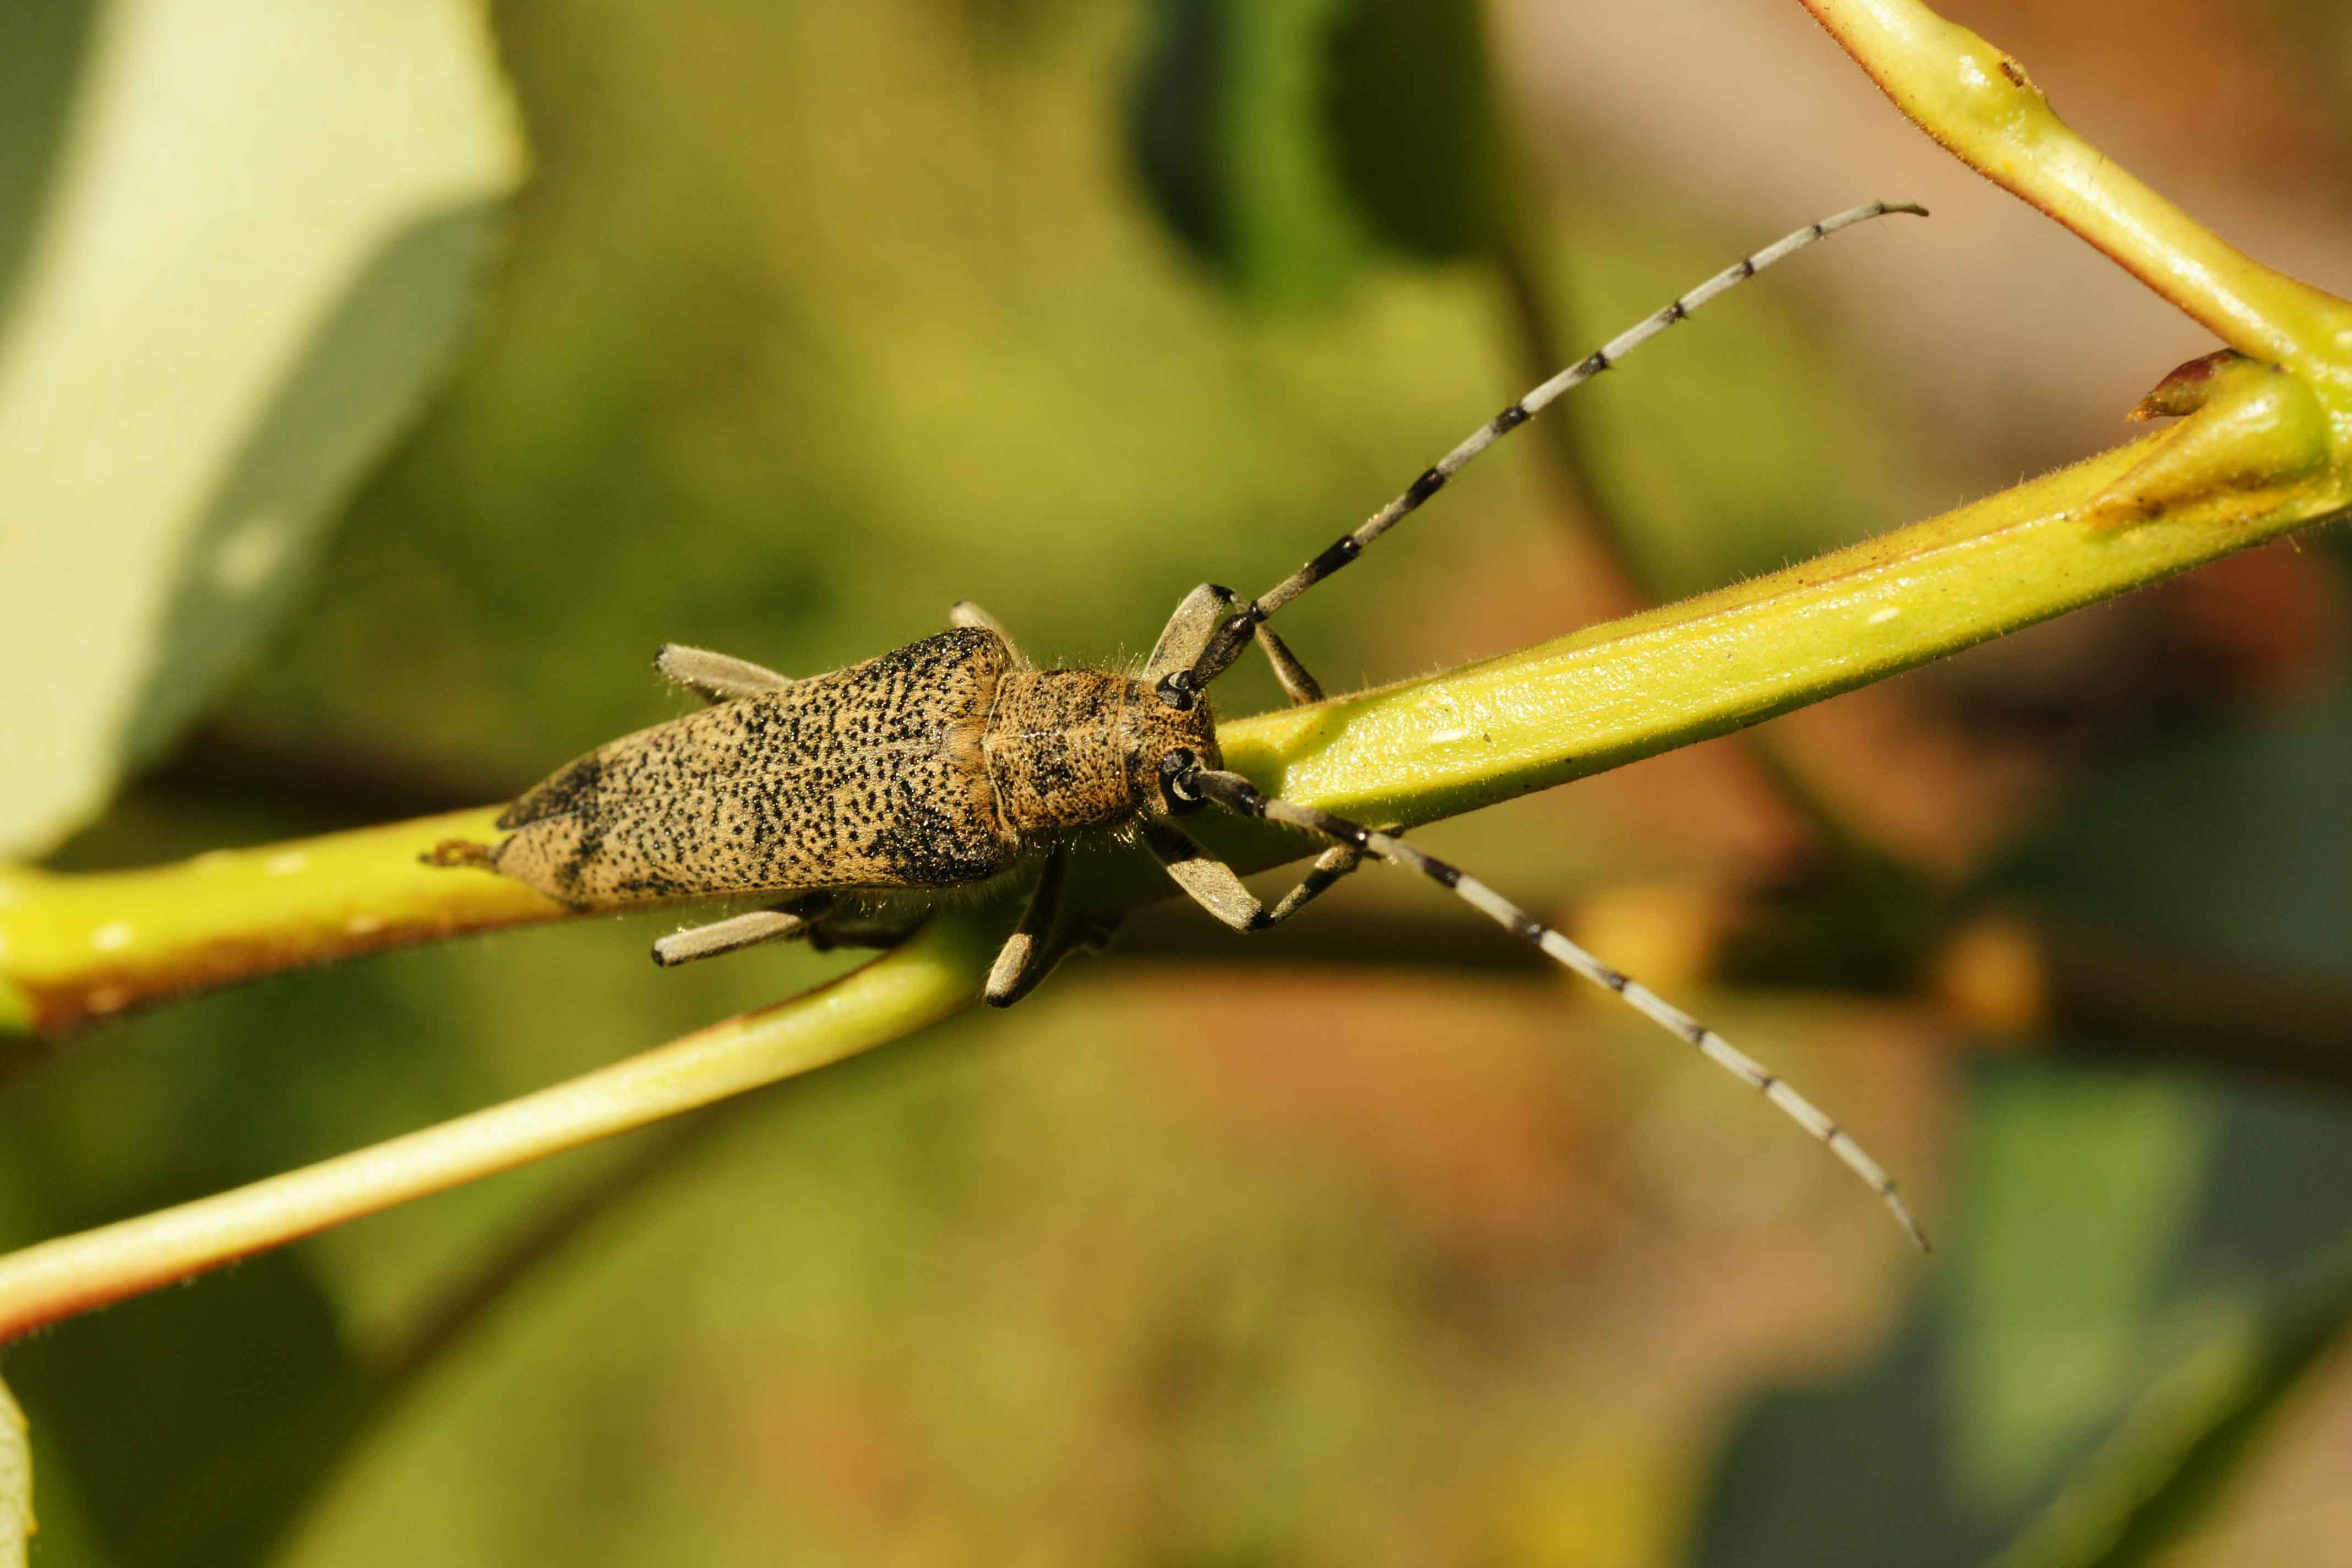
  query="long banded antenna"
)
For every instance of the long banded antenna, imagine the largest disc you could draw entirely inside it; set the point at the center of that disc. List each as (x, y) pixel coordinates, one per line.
(1237, 795)
(1226, 644)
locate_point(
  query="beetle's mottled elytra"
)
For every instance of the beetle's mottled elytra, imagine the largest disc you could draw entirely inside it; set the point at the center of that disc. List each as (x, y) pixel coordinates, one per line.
(937, 764)
(855, 799)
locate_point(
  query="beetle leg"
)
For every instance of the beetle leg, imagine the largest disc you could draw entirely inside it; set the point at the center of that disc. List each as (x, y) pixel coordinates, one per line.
(964, 612)
(1216, 888)
(1296, 684)
(1328, 867)
(1029, 954)
(852, 925)
(1208, 881)
(1090, 934)
(780, 924)
(716, 676)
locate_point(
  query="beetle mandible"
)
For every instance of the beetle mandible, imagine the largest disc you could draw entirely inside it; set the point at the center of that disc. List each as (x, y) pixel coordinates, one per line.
(862, 796)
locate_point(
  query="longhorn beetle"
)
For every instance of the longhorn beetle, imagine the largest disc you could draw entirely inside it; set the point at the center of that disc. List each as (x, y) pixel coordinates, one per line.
(863, 795)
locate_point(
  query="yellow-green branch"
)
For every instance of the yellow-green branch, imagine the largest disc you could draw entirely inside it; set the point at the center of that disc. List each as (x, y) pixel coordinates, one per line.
(75, 948)
(1983, 107)
(1411, 754)
(2264, 447)
(929, 978)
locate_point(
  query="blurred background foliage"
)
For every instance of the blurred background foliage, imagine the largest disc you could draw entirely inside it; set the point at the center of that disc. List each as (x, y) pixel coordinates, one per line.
(1361, 1242)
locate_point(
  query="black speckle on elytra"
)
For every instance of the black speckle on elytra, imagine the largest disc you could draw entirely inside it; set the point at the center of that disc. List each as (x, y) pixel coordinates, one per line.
(930, 847)
(933, 766)
(568, 790)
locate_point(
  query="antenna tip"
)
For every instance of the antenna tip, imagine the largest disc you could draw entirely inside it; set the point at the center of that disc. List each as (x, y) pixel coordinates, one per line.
(1914, 208)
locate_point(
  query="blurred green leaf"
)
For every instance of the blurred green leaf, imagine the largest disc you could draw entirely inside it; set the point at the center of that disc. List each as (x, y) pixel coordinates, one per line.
(45, 43)
(1888, 1463)
(2054, 1300)
(1281, 140)
(15, 1483)
(199, 1428)
(1228, 130)
(1411, 114)
(2249, 820)
(2152, 1483)
(1933, 1454)
(261, 235)
(2124, 1231)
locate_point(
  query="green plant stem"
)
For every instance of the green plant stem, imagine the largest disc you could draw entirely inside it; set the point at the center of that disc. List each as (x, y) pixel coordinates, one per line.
(1981, 105)
(82, 946)
(450, 1318)
(1718, 663)
(935, 975)
(1565, 450)
(1408, 754)
(2260, 454)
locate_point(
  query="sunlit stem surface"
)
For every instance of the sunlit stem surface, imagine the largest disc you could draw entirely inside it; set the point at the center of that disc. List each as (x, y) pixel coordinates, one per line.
(1983, 107)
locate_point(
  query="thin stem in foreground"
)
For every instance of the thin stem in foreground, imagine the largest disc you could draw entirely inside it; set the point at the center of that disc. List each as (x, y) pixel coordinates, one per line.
(933, 975)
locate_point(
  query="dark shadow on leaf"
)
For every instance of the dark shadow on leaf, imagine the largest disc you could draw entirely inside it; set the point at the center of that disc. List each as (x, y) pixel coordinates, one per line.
(44, 55)
(362, 379)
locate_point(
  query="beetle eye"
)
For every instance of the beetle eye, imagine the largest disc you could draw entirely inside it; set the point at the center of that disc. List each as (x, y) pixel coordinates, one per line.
(1175, 782)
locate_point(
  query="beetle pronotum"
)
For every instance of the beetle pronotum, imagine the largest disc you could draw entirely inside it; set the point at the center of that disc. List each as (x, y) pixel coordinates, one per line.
(863, 795)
